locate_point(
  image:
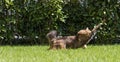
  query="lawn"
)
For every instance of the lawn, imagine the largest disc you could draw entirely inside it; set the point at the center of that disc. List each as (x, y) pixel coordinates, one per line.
(104, 53)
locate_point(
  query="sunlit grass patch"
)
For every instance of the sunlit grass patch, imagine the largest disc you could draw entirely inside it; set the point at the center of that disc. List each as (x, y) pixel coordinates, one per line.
(105, 53)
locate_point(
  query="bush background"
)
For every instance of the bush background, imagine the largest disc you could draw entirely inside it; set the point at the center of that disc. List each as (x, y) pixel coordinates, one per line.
(28, 21)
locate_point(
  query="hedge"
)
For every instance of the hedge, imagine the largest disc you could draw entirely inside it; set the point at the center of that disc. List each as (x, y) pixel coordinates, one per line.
(28, 21)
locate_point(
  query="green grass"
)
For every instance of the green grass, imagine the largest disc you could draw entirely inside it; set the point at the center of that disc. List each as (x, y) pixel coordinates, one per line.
(108, 53)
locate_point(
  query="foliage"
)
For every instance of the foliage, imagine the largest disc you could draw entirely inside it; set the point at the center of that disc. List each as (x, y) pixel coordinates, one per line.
(30, 20)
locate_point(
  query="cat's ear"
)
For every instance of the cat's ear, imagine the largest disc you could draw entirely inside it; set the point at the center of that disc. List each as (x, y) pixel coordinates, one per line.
(87, 28)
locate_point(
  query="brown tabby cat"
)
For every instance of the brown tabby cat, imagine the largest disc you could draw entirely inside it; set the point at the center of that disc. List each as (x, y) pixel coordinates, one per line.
(82, 38)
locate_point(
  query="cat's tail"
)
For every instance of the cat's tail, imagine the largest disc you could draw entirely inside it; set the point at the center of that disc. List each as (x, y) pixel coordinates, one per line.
(52, 34)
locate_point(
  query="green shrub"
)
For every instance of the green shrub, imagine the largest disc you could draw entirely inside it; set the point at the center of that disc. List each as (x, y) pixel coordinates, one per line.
(33, 19)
